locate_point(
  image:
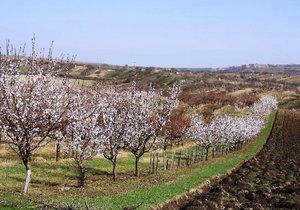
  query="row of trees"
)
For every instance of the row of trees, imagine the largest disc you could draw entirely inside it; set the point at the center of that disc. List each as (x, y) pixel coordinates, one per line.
(37, 107)
(108, 120)
(228, 129)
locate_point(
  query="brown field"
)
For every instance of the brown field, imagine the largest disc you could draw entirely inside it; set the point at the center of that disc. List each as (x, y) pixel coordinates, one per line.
(271, 180)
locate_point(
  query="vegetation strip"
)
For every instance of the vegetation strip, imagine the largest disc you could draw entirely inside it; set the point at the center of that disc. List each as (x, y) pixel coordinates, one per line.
(269, 181)
(158, 194)
(187, 197)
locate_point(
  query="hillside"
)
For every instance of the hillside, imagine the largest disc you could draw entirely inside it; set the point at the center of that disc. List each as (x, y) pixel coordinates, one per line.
(231, 79)
(266, 68)
(195, 83)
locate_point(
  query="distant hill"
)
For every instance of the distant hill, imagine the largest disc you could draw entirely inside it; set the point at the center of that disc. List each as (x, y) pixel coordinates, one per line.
(247, 68)
(254, 68)
(266, 68)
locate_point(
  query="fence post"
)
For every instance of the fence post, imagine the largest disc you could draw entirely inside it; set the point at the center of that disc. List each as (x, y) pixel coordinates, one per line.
(173, 158)
(153, 163)
(157, 157)
(179, 159)
(150, 160)
(165, 159)
(168, 164)
(194, 156)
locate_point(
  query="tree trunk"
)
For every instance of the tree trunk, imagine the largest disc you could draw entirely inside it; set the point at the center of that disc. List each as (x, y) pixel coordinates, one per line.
(114, 163)
(206, 155)
(57, 157)
(81, 176)
(136, 173)
(27, 180)
(153, 163)
(150, 163)
(26, 162)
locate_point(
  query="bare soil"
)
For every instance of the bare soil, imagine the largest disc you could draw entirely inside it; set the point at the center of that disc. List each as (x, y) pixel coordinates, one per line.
(271, 180)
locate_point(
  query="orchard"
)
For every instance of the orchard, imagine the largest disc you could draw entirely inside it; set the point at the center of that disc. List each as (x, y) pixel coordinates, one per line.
(38, 107)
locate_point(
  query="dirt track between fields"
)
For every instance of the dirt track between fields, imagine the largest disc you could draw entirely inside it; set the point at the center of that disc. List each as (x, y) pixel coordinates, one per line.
(269, 181)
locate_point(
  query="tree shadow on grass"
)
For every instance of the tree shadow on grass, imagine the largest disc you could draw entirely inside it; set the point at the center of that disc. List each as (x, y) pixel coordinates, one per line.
(97, 171)
(42, 182)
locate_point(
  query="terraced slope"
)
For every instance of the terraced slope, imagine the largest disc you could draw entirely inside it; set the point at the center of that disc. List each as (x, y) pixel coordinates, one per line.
(271, 180)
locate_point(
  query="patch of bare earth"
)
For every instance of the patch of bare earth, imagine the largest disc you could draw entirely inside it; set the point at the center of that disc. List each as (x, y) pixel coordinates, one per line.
(269, 181)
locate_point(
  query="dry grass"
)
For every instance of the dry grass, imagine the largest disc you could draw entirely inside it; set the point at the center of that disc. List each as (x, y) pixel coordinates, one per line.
(52, 180)
(241, 92)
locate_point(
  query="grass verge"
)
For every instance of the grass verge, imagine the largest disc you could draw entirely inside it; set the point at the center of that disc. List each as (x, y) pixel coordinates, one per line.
(52, 182)
(158, 194)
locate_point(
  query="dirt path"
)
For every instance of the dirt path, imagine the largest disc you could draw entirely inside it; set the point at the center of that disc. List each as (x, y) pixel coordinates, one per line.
(271, 180)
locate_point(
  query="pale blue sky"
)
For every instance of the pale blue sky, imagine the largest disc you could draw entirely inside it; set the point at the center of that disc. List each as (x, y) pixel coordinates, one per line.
(168, 33)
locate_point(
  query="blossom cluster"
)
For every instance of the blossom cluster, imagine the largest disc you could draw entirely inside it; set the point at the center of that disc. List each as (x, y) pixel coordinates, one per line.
(37, 107)
(232, 129)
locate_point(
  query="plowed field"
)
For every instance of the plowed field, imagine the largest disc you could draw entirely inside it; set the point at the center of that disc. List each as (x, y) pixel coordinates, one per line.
(270, 180)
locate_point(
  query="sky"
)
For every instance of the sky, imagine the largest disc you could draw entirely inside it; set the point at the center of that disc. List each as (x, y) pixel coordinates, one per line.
(165, 33)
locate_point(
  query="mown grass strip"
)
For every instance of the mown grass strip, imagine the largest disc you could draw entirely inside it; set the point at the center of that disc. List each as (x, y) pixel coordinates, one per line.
(158, 194)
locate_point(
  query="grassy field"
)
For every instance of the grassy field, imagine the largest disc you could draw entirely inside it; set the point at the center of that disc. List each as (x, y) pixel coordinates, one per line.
(53, 183)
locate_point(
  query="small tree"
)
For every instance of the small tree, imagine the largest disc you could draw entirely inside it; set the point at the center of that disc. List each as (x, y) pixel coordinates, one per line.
(173, 132)
(231, 129)
(83, 129)
(204, 134)
(32, 103)
(175, 129)
(113, 125)
(59, 135)
(147, 113)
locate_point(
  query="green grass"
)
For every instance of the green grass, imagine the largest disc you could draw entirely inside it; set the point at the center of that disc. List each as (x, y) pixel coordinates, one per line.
(49, 178)
(160, 193)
